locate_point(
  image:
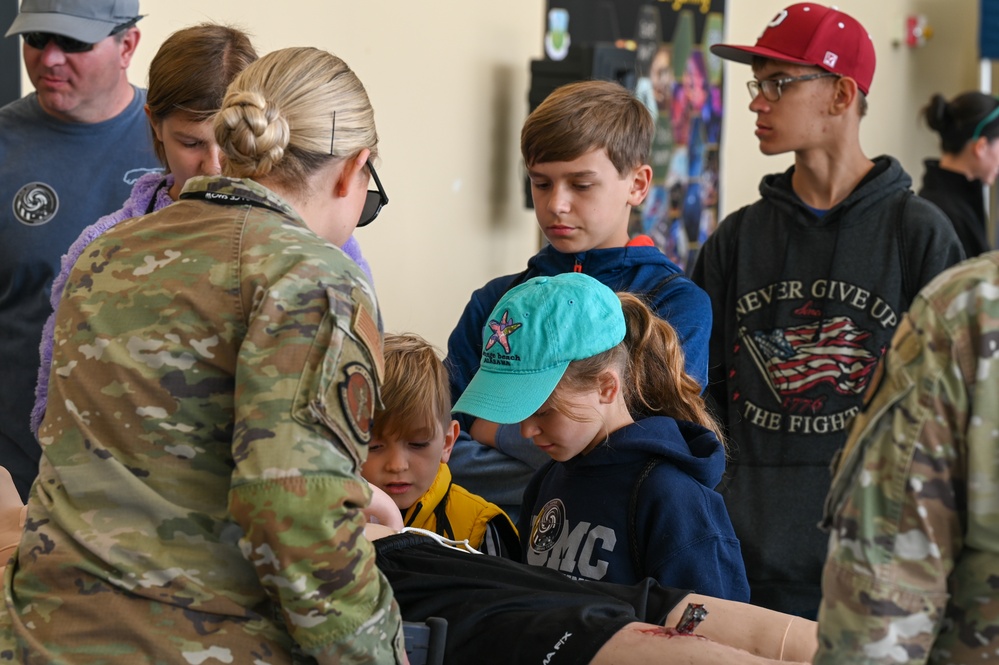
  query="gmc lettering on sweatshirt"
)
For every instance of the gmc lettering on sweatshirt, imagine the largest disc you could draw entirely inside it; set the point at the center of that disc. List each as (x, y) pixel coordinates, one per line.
(577, 553)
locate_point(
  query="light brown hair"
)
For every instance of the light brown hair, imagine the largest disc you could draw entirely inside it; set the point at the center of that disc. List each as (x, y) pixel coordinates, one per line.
(191, 70)
(587, 115)
(651, 363)
(415, 393)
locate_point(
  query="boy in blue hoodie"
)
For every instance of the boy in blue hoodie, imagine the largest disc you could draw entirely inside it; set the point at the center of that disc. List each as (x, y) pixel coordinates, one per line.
(586, 149)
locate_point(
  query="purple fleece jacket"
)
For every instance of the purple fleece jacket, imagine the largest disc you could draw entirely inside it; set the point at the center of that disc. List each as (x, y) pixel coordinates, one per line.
(143, 191)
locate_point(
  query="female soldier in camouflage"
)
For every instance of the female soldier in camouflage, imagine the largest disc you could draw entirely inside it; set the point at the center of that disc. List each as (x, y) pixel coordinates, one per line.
(215, 370)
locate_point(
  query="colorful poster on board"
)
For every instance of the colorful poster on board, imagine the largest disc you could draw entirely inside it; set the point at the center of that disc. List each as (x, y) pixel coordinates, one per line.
(681, 84)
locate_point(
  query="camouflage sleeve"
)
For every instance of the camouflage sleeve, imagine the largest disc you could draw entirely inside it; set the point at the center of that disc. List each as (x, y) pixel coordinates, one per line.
(896, 528)
(306, 386)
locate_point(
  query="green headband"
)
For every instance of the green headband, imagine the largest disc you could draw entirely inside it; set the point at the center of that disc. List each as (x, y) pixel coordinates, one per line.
(980, 127)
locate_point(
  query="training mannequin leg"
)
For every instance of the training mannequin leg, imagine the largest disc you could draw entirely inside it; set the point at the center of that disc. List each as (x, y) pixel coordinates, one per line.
(754, 629)
(645, 644)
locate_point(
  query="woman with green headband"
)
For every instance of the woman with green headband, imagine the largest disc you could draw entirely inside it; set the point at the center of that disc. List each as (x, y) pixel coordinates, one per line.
(968, 126)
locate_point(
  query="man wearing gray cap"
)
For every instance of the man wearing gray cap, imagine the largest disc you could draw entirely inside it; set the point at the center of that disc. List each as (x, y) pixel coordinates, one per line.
(69, 153)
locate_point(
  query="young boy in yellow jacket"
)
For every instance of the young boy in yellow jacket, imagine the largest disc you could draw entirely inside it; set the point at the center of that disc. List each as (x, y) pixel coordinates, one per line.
(411, 442)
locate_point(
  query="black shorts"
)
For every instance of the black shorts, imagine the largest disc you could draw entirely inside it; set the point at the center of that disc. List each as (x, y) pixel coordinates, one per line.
(499, 611)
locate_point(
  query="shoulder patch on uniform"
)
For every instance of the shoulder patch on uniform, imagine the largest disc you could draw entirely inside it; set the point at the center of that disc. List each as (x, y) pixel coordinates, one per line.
(366, 329)
(357, 397)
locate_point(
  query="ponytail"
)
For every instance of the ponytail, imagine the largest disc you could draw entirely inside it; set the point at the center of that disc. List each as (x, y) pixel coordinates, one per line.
(657, 382)
(653, 375)
(964, 118)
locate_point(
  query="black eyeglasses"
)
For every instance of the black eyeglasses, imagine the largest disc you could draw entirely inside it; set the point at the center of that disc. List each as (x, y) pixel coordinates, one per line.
(39, 40)
(374, 201)
(772, 88)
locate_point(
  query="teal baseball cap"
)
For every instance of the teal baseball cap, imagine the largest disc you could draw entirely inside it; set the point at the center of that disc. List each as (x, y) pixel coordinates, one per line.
(534, 332)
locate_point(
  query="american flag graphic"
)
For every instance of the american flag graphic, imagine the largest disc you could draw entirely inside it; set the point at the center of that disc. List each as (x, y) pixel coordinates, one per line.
(799, 358)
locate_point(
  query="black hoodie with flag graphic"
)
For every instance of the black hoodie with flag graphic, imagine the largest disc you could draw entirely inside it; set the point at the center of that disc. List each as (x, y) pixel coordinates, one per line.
(804, 305)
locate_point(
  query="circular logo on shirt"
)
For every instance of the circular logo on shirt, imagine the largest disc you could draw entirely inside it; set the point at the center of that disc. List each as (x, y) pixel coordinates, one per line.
(35, 204)
(548, 526)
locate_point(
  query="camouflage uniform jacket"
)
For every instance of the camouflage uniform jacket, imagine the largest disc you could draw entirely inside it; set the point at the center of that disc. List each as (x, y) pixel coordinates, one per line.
(913, 561)
(214, 375)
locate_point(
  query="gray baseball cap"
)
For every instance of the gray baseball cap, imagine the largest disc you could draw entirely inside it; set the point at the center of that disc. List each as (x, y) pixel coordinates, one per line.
(88, 21)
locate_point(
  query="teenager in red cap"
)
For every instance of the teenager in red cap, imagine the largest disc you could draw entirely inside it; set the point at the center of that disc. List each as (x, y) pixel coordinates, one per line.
(807, 286)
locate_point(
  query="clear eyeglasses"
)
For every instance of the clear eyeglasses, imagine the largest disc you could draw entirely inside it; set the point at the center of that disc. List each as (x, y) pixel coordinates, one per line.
(771, 88)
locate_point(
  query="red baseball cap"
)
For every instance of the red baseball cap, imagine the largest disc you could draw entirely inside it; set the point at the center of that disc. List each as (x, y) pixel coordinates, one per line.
(811, 34)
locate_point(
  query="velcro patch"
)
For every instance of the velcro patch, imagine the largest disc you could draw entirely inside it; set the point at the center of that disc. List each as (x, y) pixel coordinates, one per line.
(357, 397)
(366, 329)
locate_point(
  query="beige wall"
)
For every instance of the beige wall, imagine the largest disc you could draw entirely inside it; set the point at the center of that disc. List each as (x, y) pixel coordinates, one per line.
(449, 83)
(448, 80)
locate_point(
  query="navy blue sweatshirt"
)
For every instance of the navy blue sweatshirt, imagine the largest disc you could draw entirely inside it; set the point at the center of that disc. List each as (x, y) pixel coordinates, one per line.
(500, 474)
(681, 531)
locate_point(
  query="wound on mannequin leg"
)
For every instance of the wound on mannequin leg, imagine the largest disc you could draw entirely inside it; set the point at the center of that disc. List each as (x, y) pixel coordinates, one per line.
(692, 616)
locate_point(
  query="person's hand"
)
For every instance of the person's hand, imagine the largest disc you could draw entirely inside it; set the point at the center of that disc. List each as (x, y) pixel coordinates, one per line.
(373, 531)
(12, 513)
(382, 509)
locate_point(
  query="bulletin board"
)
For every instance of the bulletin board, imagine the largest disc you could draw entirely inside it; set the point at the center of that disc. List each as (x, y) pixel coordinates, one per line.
(680, 82)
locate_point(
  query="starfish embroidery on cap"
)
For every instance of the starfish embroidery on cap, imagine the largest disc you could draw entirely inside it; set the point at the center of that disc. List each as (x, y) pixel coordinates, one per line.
(501, 330)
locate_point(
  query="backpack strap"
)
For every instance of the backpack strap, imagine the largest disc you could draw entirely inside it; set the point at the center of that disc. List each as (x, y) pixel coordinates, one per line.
(662, 285)
(733, 252)
(908, 289)
(520, 278)
(637, 554)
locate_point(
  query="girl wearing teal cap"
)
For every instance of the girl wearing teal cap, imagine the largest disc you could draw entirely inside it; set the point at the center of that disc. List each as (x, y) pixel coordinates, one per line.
(597, 381)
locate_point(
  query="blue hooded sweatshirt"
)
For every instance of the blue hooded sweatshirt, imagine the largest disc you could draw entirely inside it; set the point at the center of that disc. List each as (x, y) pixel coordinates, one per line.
(500, 474)
(576, 514)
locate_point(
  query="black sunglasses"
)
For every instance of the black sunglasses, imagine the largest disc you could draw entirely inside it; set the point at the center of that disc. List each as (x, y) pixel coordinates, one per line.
(39, 40)
(374, 200)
